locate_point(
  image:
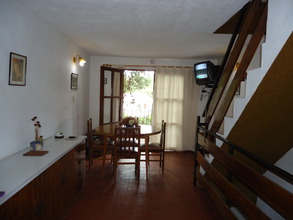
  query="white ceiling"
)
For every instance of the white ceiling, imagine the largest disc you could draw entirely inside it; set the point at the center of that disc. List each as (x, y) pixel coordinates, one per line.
(141, 28)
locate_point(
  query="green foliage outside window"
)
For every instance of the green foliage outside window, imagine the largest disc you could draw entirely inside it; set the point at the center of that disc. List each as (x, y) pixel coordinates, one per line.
(135, 81)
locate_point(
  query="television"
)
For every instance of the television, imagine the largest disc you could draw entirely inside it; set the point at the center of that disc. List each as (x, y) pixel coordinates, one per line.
(205, 72)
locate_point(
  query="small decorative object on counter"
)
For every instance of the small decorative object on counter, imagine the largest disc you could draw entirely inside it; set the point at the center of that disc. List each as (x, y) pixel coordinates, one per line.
(41, 140)
(59, 135)
(129, 122)
(37, 144)
(37, 125)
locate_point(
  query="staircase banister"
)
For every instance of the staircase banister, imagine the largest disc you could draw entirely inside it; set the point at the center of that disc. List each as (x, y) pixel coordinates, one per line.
(271, 167)
(227, 54)
(251, 16)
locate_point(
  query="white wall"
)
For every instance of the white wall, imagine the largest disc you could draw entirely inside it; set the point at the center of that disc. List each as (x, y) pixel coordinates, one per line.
(47, 93)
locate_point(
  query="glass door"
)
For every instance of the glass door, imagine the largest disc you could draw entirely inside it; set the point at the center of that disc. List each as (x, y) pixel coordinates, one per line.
(111, 98)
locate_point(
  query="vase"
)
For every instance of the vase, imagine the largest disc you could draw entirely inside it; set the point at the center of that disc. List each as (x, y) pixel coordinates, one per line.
(41, 140)
(36, 146)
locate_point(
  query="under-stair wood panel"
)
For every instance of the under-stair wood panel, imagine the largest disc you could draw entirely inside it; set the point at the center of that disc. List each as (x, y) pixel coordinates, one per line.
(229, 26)
(227, 97)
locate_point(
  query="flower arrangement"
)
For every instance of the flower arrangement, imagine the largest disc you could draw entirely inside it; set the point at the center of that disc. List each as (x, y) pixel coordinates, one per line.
(129, 122)
(37, 125)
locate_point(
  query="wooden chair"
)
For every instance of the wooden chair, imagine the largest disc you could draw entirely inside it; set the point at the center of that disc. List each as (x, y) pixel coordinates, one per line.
(127, 148)
(96, 148)
(157, 150)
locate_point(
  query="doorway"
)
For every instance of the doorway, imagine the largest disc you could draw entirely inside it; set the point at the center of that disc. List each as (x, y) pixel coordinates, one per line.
(125, 93)
(138, 95)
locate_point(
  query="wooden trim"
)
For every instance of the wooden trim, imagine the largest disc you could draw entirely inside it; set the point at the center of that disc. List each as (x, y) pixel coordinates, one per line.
(147, 66)
(277, 197)
(228, 69)
(111, 97)
(221, 110)
(249, 209)
(230, 25)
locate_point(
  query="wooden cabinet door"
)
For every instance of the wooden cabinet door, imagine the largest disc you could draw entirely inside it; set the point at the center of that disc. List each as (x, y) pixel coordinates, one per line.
(80, 163)
(69, 180)
(49, 193)
(52, 193)
(20, 206)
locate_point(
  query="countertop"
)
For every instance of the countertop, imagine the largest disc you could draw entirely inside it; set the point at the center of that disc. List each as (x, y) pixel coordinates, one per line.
(16, 171)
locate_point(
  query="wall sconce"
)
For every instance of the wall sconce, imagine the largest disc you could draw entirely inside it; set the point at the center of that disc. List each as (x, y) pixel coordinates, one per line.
(79, 59)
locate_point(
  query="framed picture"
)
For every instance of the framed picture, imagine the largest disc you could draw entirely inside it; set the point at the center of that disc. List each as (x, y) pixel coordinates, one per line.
(17, 69)
(74, 81)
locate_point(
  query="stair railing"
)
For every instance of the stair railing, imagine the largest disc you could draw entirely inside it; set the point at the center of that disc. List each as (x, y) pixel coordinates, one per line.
(213, 181)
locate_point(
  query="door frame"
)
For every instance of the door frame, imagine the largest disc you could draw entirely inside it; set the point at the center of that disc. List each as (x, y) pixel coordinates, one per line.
(102, 97)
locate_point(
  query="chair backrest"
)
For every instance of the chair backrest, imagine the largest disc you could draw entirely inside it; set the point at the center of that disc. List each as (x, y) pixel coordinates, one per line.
(163, 135)
(90, 131)
(127, 141)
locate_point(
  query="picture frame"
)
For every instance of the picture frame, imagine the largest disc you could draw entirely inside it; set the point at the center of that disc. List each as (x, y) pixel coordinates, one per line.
(17, 69)
(74, 81)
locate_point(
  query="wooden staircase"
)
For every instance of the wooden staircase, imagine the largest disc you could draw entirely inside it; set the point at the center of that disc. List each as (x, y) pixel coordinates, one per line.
(241, 187)
(231, 77)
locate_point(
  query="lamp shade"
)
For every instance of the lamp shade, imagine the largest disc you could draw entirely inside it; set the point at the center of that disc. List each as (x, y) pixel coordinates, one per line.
(80, 60)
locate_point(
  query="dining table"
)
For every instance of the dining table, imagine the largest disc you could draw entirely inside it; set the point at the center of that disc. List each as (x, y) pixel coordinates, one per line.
(108, 130)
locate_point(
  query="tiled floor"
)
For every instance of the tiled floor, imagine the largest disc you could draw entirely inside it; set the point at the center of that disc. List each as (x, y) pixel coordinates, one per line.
(168, 196)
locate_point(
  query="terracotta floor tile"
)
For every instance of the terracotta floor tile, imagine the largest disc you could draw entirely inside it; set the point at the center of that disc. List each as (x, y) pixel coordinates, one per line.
(168, 196)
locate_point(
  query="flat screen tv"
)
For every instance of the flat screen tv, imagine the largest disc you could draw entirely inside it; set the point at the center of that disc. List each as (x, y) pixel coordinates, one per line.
(205, 73)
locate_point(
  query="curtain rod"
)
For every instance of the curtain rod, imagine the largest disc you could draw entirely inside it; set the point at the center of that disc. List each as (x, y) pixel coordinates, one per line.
(142, 66)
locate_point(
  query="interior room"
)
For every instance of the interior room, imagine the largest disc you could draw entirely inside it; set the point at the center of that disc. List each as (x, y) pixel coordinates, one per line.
(46, 40)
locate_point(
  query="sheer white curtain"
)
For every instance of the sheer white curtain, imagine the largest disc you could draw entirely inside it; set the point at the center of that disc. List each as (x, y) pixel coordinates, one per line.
(175, 101)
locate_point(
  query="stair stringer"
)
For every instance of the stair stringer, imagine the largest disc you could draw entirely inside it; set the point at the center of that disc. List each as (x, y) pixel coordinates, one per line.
(253, 80)
(248, 87)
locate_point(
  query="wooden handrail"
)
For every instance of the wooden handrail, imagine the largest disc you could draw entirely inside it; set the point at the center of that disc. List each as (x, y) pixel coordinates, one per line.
(235, 196)
(277, 197)
(221, 207)
(271, 167)
(225, 59)
(248, 21)
(253, 20)
(227, 97)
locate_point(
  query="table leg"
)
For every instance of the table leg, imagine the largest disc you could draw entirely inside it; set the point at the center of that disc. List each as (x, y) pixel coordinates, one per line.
(105, 141)
(147, 155)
